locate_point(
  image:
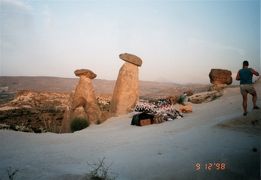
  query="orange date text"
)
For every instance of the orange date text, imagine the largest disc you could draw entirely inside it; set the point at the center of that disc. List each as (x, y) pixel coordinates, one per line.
(209, 166)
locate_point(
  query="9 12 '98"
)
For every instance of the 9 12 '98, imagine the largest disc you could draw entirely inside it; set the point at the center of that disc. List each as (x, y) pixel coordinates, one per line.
(219, 166)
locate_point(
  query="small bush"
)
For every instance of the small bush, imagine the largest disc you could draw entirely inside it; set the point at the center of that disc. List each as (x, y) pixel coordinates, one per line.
(100, 171)
(11, 172)
(79, 124)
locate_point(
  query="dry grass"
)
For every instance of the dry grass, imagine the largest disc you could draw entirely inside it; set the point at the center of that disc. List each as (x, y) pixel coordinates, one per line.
(100, 171)
(11, 172)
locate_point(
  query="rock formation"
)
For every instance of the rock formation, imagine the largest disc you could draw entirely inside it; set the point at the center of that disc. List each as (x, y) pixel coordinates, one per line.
(204, 97)
(220, 76)
(217, 87)
(131, 59)
(83, 98)
(126, 91)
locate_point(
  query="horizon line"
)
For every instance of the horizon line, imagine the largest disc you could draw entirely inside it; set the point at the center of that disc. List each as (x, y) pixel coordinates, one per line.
(46, 76)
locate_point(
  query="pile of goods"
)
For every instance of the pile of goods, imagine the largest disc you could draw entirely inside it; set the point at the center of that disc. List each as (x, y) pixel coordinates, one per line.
(154, 112)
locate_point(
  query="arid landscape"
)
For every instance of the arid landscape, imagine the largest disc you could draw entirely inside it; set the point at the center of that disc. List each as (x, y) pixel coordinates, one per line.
(213, 142)
(37, 104)
(130, 90)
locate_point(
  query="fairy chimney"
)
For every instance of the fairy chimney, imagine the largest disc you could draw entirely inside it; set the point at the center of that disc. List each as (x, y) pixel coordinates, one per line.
(83, 98)
(126, 91)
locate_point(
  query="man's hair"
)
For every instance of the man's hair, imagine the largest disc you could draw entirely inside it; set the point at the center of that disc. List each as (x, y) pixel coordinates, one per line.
(245, 63)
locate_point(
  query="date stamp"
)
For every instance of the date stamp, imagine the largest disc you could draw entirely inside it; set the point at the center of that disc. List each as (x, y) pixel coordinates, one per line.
(210, 166)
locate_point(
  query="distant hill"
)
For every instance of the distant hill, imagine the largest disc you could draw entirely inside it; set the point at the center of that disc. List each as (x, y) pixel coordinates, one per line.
(57, 84)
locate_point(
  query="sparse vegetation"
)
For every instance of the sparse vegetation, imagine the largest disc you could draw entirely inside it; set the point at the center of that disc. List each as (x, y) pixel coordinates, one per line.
(79, 123)
(11, 172)
(100, 171)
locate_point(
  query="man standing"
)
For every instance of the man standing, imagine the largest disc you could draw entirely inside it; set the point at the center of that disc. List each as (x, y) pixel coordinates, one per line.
(246, 85)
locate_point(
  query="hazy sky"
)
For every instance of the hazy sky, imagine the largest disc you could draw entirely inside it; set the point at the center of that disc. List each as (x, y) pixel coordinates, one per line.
(178, 41)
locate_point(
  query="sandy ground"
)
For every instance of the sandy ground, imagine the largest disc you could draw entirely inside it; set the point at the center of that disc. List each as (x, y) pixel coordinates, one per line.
(215, 132)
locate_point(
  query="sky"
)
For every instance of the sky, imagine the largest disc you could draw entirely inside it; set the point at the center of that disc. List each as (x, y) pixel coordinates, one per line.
(178, 41)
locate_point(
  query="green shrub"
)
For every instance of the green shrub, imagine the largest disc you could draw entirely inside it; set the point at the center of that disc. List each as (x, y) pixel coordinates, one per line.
(79, 123)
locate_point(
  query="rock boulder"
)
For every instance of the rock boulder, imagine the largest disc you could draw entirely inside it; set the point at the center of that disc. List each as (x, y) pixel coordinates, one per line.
(204, 97)
(220, 76)
(133, 59)
(85, 72)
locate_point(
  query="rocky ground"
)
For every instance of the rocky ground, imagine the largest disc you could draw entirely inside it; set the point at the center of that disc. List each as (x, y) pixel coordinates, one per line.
(6, 97)
(32, 111)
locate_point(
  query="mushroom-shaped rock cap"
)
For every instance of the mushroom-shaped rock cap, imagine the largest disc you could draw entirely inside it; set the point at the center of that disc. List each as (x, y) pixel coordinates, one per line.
(131, 59)
(85, 72)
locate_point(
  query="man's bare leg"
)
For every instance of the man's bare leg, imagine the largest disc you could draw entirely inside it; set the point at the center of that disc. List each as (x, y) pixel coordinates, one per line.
(245, 103)
(254, 99)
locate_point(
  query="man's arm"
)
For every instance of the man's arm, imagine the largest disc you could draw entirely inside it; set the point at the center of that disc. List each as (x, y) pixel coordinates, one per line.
(254, 72)
(238, 77)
